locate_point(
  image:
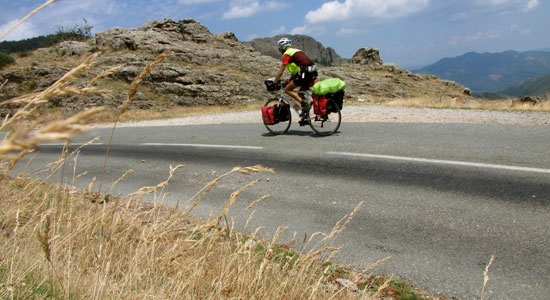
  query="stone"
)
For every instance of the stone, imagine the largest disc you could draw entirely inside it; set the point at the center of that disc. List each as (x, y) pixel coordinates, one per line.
(367, 56)
(348, 284)
(74, 48)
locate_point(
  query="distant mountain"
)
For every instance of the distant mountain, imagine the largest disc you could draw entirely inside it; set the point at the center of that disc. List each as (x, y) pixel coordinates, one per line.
(491, 72)
(533, 87)
(315, 50)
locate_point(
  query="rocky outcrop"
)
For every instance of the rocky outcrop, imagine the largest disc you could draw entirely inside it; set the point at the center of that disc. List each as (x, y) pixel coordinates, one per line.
(206, 69)
(315, 50)
(75, 48)
(367, 56)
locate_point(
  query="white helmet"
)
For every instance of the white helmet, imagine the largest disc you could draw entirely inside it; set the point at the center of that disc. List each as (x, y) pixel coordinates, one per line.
(284, 43)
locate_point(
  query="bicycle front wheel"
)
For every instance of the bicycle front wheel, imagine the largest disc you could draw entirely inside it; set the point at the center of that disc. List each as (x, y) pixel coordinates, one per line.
(282, 126)
(328, 124)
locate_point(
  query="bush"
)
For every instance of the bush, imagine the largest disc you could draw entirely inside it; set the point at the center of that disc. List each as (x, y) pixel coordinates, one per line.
(77, 33)
(5, 60)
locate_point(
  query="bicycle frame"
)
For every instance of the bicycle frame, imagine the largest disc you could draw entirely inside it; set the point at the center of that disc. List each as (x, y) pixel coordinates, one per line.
(293, 104)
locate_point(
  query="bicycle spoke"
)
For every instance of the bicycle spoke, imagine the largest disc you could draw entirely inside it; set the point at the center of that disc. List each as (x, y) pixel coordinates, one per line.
(326, 124)
(280, 127)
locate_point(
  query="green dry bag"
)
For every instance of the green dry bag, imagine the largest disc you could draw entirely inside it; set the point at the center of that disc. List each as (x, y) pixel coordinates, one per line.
(328, 86)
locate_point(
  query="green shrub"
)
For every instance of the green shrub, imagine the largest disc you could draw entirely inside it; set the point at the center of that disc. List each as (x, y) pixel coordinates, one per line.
(5, 60)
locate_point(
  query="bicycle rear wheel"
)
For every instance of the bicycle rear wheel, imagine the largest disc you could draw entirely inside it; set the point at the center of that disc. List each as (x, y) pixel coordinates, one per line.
(328, 124)
(282, 126)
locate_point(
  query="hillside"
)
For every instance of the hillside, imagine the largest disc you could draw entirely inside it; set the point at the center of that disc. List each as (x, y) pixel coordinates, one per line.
(315, 50)
(206, 69)
(491, 72)
(533, 87)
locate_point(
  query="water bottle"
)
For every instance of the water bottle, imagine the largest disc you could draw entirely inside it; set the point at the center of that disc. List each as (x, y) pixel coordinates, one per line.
(297, 107)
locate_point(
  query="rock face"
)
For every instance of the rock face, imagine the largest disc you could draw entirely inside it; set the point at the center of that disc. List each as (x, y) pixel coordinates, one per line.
(367, 56)
(315, 50)
(75, 48)
(206, 69)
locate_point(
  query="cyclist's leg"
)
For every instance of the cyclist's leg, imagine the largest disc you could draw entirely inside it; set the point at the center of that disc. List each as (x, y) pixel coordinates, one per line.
(289, 90)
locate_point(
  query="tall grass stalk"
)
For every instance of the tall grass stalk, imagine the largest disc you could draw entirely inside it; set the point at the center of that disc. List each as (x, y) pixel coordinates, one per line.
(486, 277)
(131, 93)
(26, 17)
(63, 243)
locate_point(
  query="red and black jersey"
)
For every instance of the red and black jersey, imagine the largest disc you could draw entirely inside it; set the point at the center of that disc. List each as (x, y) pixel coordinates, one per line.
(299, 58)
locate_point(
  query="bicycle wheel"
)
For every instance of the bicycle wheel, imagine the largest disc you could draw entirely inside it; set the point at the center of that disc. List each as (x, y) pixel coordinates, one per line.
(282, 126)
(326, 124)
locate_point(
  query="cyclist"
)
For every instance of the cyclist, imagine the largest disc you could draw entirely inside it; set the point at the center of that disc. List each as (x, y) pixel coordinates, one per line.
(302, 69)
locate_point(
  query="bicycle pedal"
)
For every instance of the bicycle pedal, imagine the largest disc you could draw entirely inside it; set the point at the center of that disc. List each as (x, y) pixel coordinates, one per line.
(303, 122)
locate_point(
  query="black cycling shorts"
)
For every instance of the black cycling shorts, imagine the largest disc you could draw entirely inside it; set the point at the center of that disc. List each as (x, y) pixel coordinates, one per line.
(304, 79)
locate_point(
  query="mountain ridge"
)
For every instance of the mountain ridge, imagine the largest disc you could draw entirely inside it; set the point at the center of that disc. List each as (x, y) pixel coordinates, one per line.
(491, 72)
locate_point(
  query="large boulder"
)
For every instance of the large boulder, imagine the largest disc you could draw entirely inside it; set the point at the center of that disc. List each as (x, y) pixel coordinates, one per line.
(157, 36)
(74, 48)
(367, 56)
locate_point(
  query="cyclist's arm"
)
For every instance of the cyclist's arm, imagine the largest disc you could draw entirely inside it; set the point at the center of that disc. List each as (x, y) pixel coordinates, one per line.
(280, 73)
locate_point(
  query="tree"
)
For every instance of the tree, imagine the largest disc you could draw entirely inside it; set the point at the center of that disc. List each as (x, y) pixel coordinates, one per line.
(5, 60)
(77, 33)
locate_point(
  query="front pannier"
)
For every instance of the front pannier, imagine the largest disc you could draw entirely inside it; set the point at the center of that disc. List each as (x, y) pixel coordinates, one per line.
(268, 115)
(275, 114)
(282, 112)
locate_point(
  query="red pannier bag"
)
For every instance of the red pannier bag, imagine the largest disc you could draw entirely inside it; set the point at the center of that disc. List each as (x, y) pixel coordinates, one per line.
(268, 115)
(320, 105)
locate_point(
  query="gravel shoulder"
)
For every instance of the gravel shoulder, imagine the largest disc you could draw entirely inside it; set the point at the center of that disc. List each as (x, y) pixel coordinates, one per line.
(371, 113)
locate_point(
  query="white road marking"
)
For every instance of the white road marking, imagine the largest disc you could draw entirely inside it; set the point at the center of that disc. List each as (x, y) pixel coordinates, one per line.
(204, 146)
(444, 162)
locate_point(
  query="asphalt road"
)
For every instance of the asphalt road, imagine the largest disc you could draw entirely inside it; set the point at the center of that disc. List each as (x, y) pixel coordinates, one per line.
(440, 199)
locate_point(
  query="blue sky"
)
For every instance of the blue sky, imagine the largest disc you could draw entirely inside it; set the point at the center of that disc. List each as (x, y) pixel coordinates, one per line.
(411, 33)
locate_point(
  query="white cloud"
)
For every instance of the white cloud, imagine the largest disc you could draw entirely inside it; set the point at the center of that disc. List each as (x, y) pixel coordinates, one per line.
(189, 2)
(347, 31)
(25, 30)
(514, 5)
(361, 9)
(300, 30)
(532, 4)
(480, 36)
(246, 8)
(279, 30)
(307, 29)
(455, 40)
(474, 38)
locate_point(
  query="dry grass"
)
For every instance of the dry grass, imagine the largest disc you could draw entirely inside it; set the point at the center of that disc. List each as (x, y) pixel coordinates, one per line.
(57, 244)
(462, 103)
(178, 112)
(64, 243)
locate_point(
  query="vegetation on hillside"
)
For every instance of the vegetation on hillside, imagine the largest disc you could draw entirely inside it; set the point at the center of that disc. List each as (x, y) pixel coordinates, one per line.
(76, 33)
(533, 87)
(5, 60)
